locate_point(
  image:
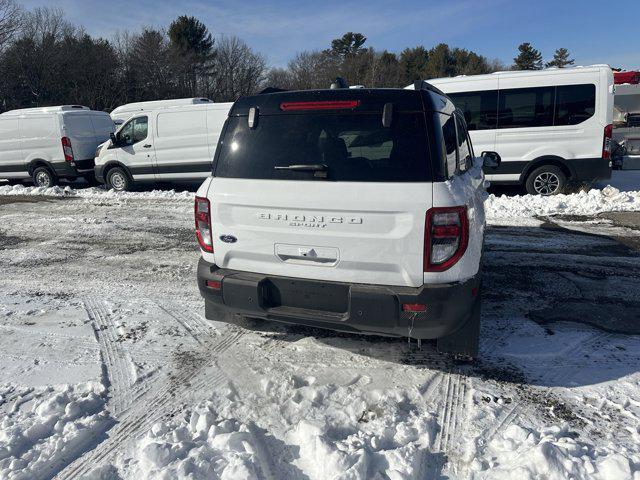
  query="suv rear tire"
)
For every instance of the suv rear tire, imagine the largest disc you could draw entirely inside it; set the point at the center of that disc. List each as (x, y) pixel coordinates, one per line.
(546, 180)
(119, 180)
(44, 177)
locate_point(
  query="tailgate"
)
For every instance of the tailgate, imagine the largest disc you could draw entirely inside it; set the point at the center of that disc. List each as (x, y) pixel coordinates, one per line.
(370, 233)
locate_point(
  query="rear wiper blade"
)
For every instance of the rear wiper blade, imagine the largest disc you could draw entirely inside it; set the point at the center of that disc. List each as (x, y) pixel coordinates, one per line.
(316, 167)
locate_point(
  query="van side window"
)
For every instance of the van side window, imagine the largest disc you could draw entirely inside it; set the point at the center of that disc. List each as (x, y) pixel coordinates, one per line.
(480, 109)
(575, 104)
(526, 107)
(450, 144)
(134, 131)
(464, 149)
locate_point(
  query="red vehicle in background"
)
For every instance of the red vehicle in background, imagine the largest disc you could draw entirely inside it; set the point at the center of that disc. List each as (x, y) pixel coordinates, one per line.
(626, 121)
(631, 77)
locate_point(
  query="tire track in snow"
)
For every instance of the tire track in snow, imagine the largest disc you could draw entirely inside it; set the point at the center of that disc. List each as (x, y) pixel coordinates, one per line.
(453, 410)
(117, 361)
(165, 400)
(191, 324)
(505, 420)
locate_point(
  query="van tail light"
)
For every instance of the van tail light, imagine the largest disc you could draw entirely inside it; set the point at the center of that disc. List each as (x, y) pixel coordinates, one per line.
(446, 237)
(203, 224)
(606, 144)
(66, 148)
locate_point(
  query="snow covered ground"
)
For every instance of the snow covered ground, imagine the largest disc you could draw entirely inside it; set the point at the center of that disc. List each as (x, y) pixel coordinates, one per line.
(108, 369)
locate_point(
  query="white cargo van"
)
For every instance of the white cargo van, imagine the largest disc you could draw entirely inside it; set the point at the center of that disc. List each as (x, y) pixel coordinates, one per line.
(51, 143)
(124, 112)
(359, 210)
(551, 127)
(174, 143)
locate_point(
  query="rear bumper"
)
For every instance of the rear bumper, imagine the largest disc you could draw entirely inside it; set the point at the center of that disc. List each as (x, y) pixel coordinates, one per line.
(358, 308)
(85, 166)
(589, 169)
(73, 169)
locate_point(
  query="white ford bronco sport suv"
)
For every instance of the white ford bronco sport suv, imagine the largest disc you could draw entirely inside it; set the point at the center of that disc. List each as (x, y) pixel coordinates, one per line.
(358, 210)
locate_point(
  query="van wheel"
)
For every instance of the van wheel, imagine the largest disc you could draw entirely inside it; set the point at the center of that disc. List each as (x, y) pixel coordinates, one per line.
(546, 180)
(43, 177)
(119, 180)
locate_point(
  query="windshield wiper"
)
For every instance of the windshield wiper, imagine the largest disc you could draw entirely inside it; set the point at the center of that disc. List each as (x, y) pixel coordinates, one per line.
(316, 167)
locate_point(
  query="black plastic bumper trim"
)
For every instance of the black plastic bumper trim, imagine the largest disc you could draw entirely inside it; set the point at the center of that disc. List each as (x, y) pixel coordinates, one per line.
(362, 308)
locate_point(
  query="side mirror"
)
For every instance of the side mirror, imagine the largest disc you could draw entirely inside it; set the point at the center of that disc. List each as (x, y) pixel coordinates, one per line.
(114, 140)
(491, 159)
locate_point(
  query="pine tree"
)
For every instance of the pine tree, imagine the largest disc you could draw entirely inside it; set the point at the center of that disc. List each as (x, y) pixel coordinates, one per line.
(413, 64)
(349, 45)
(528, 59)
(190, 35)
(561, 59)
(191, 51)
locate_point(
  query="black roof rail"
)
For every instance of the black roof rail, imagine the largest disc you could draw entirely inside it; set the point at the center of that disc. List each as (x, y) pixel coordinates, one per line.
(424, 85)
(272, 90)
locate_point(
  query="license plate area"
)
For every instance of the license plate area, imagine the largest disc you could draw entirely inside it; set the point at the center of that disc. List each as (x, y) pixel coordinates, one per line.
(325, 297)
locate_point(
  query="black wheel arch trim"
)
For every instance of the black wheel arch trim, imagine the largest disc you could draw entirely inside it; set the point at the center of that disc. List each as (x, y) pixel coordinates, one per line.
(560, 162)
(39, 162)
(103, 170)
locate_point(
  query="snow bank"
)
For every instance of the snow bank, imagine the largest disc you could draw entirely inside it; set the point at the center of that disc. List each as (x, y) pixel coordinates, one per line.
(553, 453)
(503, 207)
(345, 432)
(609, 199)
(41, 435)
(299, 431)
(201, 445)
(94, 192)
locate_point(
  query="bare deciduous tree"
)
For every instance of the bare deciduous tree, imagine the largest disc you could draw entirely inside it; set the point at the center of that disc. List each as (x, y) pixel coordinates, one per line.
(237, 70)
(10, 21)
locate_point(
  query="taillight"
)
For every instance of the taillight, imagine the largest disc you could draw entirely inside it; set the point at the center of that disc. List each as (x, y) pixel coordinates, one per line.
(606, 143)
(203, 224)
(446, 237)
(66, 148)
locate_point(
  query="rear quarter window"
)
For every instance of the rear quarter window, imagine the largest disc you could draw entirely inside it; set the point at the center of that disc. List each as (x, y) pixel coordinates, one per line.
(355, 147)
(575, 104)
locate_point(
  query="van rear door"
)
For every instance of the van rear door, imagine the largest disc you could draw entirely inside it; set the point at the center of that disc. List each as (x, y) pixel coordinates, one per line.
(78, 127)
(328, 195)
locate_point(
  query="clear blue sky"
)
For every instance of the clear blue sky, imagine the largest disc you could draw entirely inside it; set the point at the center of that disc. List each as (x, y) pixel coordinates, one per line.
(593, 31)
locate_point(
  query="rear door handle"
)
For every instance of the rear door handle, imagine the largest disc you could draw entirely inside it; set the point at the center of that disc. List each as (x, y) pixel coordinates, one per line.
(147, 145)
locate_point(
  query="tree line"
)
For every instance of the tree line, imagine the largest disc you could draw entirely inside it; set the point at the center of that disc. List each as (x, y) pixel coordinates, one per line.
(46, 60)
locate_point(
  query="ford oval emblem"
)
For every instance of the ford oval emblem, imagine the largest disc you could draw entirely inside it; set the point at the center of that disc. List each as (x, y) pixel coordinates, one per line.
(228, 238)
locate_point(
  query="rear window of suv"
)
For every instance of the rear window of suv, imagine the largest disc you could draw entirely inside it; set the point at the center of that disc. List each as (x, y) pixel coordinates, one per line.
(355, 147)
